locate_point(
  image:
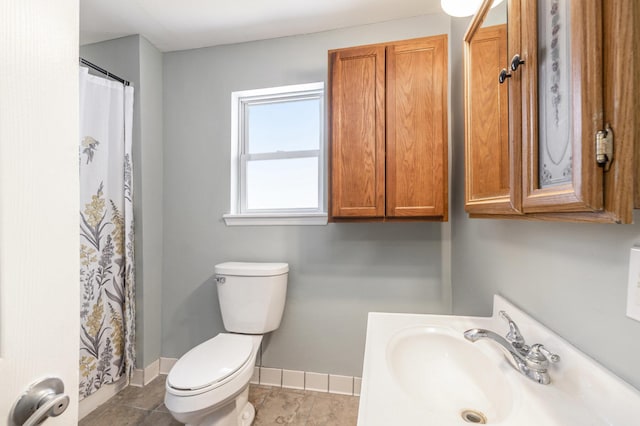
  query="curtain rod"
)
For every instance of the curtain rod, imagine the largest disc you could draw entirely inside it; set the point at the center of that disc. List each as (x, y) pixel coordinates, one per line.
(103, 71)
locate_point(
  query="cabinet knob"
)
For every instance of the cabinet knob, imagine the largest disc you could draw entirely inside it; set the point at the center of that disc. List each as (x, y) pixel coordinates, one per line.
(516, 62)
(503, 75)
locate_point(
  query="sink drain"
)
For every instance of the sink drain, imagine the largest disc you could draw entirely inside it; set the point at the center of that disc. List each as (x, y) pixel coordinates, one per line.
(473, 416)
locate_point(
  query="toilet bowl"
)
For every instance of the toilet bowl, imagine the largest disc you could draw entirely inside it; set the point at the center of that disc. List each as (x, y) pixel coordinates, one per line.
(209, 385)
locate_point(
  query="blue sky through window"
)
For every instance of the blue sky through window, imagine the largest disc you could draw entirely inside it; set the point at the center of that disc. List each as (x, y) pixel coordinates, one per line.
(284, 126)
(282, 184)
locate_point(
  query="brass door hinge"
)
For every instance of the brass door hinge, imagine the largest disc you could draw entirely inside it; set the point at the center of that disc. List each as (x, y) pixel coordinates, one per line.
(604, 148)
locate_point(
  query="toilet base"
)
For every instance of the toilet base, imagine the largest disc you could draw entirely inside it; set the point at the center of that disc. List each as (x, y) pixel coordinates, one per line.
(238, 412)
(247, 416)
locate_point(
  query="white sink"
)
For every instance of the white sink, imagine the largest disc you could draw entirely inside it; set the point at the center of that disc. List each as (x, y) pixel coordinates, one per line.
(419, 370)
(437, 368)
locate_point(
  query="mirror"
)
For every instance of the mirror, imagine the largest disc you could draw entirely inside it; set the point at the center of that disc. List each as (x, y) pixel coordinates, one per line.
(554, 94)
(496, 16)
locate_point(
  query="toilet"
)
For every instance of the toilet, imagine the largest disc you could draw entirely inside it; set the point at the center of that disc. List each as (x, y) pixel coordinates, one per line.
(209, 385)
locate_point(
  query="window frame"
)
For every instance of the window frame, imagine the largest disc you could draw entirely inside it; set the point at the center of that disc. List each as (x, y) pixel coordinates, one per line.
(240, 101)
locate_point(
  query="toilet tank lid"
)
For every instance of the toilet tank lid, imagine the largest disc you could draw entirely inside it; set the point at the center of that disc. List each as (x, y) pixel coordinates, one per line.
(251, 269)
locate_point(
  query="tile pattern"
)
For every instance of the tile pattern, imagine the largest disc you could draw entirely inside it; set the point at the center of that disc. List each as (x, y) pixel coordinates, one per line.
(274, 406)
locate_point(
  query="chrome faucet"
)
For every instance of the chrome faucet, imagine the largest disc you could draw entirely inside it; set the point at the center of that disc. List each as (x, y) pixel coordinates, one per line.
(532, 361)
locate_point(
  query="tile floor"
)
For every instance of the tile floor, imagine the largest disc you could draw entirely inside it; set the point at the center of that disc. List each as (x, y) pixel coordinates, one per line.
(274, 406)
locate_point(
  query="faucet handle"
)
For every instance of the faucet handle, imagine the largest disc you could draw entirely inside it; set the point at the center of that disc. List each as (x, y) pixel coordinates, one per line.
(513, 336)
(548, 354)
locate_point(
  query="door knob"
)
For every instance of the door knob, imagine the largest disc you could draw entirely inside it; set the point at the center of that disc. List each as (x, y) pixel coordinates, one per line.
(43, 399)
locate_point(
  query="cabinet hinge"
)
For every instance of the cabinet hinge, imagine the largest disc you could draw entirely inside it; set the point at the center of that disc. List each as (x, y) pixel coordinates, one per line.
(604, 147)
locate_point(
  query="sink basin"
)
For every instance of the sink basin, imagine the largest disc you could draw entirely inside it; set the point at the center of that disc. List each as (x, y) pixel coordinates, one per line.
(419, 370)
(447, 375)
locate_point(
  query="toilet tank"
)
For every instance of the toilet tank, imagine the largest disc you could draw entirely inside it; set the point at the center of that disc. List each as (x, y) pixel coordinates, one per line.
(251, 295)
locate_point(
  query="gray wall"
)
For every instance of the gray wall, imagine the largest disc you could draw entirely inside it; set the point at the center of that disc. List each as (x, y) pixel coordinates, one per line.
(135, 59)
(339, 272)
(150, 227)
(571, 277)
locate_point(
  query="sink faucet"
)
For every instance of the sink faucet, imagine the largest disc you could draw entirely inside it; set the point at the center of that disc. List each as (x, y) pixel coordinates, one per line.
(532, 361)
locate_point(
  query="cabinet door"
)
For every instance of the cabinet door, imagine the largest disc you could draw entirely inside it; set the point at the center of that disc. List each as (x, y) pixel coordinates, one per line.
(562, 93)
(490, 187)
(493, 144)
(357, 132)
(417, 128)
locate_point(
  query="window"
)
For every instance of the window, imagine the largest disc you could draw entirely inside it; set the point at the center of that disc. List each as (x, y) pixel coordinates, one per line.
(277, 156)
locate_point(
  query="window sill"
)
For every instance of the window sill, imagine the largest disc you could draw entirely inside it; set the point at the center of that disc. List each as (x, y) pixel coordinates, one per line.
(265, 219)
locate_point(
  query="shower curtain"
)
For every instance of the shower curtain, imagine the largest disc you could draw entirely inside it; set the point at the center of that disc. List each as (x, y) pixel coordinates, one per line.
(107, 311)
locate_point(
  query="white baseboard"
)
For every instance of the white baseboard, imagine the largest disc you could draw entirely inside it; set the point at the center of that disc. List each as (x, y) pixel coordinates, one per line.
(307, 380)
(151, 371)
(292, 379)
(141, 378)
(99, 397)
(137, 378)
(166, 364)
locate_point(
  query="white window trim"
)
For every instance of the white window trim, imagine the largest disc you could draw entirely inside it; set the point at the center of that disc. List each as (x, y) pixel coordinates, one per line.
(264, 217)
(275, 219)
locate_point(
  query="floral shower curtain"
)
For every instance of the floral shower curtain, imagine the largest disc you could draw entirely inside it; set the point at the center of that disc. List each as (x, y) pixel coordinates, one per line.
(107, 311)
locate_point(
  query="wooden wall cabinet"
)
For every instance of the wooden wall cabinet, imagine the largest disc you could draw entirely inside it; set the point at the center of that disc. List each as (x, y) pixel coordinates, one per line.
(388, 131)
(530, 143)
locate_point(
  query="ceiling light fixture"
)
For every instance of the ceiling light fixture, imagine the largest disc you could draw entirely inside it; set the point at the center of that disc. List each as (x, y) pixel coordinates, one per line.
(461, 8)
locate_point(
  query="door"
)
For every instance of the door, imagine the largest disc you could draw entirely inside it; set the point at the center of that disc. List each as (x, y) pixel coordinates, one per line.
(39, 308)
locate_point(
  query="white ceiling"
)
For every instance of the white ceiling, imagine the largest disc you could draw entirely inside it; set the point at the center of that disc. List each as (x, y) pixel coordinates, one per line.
(188, 24)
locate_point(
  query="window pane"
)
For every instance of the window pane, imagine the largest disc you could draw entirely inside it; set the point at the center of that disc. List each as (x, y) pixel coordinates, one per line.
(282, 184)
(283, 126)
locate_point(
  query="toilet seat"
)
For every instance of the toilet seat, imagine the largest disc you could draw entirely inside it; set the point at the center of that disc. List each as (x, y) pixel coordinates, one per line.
(208, 365)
